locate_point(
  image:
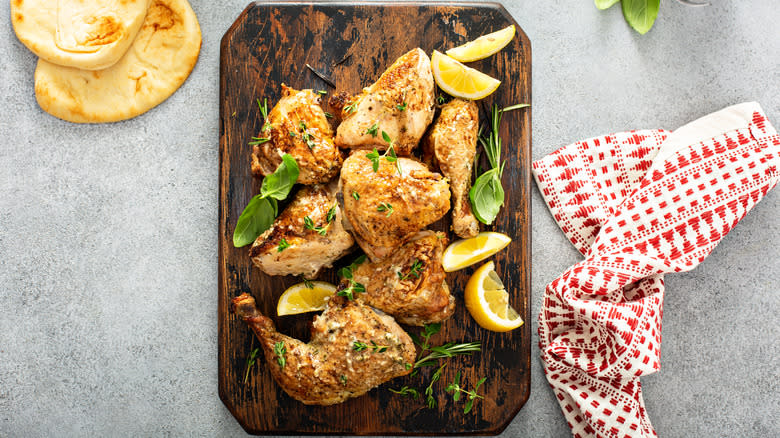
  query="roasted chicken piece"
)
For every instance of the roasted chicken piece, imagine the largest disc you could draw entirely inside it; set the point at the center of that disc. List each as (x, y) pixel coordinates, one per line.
(352, 350)
(297, 125)
(387, 207)
(409, 284)
(401, 103)
(451, 145)
(307, 236)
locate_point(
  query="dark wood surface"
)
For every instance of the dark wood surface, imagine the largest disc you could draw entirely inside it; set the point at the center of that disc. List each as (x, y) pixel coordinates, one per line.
(271, 43)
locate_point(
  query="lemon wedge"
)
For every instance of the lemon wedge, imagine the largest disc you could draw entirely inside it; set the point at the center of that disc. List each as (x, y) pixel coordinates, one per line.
(488, 302)
(300, 298)
(460, 81)
(466, 252)
(483, 46)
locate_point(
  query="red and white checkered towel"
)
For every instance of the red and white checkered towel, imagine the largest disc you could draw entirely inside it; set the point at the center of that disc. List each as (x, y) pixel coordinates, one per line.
(637, 205)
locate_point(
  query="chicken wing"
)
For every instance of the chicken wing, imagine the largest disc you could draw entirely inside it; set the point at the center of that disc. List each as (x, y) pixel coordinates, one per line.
(307, 236)
(409, 284)
(297, 126)
(352, 350)
(386, 207)
(400, 103)
(452, 144)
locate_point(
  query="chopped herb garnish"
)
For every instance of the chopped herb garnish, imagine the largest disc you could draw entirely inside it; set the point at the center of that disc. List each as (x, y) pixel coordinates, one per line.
(413, 271)
(356, 195)
(385, 207)
(259, 140)
(351, 108)
(343, 379)
(308, 224)
(331, 214)
(354, 287)
(280, 351)
(406, 391)
(250, 362)
(322, 92)
(401, 107)
(328, 115)
(292, 134)
(373, 130)
(283, 244)
(307, 283)
(441, 99)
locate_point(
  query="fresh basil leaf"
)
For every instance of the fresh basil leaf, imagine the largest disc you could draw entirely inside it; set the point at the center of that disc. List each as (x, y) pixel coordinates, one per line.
(487, 196)
(278, 184)
(605, 4)
(641, 14)
(256, 218)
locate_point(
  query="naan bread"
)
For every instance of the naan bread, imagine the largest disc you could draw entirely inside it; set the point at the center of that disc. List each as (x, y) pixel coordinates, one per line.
(159, 61)
(88, 34)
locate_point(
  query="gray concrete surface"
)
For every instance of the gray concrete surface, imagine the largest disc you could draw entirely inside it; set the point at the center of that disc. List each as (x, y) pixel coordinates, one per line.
(108, 233)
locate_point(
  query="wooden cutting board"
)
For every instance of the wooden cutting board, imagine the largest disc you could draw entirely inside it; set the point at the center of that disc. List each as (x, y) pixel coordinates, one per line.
(352, 44)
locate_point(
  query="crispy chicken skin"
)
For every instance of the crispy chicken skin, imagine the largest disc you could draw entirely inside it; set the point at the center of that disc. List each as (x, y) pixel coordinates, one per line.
(386, 208)
(330, 369)
(400, 102)
(451, 145)
(308, 249)
(409, 284)
(297, 126)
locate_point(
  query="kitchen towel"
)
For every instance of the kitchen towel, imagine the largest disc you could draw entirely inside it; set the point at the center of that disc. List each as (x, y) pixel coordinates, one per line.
(638, 205)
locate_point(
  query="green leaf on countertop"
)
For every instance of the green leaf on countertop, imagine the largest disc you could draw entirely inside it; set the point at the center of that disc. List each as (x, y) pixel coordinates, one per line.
(605, 4)
(641, 14)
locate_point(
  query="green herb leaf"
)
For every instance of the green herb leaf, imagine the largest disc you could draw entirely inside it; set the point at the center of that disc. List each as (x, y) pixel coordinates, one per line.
(373, 130)
(322, 92)
(254, 220)
(343, 379)
(641, 14)
(250, 362)
(328, 115)
(414, 270)
(259, 140)
(359, 346)
(605, 4)
(374, 157)
(386, 137)
(280, 351)
(307, 283)
(331, 214)
(351, 108)
(385, 207)
(356, 195)
(515, 106)
(487, 196)
(278, 184)
(283, 244)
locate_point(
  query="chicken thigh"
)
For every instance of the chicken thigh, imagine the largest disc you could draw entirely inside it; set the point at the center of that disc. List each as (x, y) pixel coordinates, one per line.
(451, 145)
(386, 207)
(297, 126)
(409, 284)
(307, 236)
(352, 350)
(400, 102)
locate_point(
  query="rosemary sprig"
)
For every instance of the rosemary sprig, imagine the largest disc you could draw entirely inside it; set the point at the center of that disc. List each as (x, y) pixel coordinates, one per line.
(280, 351)
(250, 362)
(321, 76)
(447, 350)
(264, 111)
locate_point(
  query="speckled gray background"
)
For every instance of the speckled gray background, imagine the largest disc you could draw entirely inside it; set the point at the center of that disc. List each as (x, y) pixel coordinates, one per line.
(108, 233)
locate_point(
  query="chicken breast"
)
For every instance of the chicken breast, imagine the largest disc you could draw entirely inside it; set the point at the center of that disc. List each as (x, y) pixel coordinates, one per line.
(306, 237)
(352, 350)
(297, 125)
(400, 103)
(387, 207)
(451, 145)
(409, 284)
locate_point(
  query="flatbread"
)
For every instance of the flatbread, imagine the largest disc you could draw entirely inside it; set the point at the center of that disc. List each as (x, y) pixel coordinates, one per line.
(88, 34)
(159, 61)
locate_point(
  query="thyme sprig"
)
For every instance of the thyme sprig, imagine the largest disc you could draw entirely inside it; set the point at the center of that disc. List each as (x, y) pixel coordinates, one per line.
(414, 270)
(406, 391)
(283, 244)
(430, 400)
(250, 362)
(347, 273)
(376, 348)
(457, 390)
(373, 130)
(351, 108)
(280, 351)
